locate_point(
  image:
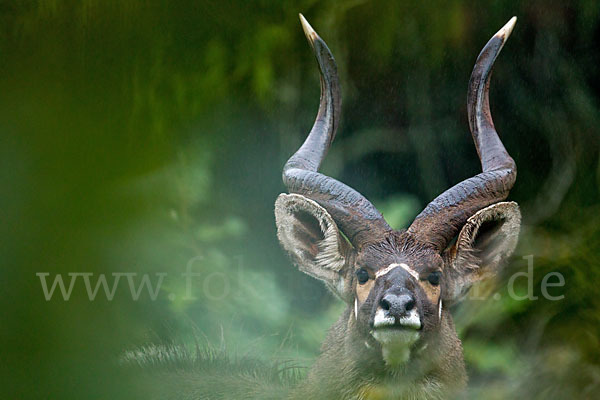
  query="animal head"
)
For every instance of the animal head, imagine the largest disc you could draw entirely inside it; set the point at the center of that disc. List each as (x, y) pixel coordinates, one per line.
(398, 284)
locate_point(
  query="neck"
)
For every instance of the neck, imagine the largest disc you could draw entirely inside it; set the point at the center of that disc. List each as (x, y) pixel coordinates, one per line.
(352, 366)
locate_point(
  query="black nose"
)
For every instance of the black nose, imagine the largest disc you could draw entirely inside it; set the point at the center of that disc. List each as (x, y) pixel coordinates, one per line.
(397, 305)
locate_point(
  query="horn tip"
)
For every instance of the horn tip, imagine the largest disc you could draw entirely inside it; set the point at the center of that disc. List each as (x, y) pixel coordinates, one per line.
(310, 33)
(506, 30)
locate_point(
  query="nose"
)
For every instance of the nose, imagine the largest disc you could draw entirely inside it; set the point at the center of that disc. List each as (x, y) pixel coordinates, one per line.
(397, 304)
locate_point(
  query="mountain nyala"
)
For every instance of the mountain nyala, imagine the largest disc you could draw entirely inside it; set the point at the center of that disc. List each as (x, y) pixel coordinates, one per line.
(396, 338)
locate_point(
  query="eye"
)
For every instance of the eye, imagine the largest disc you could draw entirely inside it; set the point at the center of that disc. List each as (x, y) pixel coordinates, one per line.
(362, 275)
(434, 278)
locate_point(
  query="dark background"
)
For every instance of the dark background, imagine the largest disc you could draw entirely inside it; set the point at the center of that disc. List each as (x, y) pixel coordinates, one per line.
(137, 136)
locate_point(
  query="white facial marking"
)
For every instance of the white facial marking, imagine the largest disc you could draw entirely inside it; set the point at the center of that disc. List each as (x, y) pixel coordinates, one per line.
(440, 312)
(382, 319)
(396, 336)
(391, 267)
(411, 271)
(355, 308)
(384, 271)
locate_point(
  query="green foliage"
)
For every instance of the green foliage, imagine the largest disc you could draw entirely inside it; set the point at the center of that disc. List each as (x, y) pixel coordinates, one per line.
(142, 136)
(167, 371)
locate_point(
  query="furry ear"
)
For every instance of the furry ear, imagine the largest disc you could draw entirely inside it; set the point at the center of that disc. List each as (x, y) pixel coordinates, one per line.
(482, 247)
(309, 234)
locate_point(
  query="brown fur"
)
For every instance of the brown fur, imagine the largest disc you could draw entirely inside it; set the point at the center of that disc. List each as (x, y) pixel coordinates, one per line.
(351, 364)
(396, 339)
(347, 369)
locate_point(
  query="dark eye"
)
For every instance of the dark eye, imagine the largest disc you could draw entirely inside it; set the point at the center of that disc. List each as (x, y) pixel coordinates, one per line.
(362, 275)
(434, 278)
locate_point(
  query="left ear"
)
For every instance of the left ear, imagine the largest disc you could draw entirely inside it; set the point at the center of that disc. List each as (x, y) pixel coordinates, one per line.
(482, 247)
(310, 235)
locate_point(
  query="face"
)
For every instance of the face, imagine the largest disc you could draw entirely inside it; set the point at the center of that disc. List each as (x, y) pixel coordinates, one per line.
(395, 286)
(397, 297)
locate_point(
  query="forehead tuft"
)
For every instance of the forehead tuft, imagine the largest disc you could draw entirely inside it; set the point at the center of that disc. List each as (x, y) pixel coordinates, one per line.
(399, 248)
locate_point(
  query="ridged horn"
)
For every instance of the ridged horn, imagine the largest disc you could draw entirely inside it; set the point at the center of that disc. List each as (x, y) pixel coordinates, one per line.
(441, 220)
(356, 217)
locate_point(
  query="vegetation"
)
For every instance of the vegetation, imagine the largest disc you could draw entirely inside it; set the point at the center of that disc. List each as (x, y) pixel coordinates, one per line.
(148, 136)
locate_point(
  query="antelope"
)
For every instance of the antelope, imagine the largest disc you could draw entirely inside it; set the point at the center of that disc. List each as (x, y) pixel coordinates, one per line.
(396, 338)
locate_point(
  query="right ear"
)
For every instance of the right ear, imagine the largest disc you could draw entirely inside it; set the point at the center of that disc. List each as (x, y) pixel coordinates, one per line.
(309, 234)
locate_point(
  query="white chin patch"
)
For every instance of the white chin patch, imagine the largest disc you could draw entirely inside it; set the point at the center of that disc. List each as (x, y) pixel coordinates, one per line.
(396, 341)
(396, 344)
(395, 336)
